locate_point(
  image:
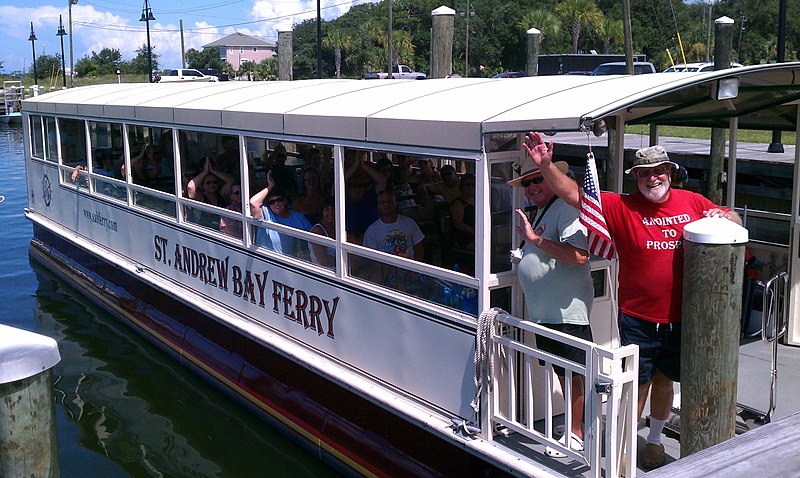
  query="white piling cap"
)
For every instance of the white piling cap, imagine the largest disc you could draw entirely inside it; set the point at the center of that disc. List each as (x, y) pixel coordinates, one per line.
(24, 354)
(715, 230)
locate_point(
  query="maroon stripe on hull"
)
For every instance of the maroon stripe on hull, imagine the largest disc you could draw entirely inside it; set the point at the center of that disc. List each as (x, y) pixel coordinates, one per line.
(323, 416)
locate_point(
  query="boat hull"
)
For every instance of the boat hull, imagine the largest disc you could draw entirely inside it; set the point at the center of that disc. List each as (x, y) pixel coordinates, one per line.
(339, 426)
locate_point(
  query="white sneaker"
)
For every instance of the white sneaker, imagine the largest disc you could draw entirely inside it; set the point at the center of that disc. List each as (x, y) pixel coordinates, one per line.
(575, 444)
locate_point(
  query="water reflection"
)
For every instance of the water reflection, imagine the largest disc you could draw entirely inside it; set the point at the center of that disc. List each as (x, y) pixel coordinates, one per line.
(135, 406)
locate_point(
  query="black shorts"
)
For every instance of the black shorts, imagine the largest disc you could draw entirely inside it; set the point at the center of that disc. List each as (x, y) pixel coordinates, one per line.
(561, 349)
(659, 346)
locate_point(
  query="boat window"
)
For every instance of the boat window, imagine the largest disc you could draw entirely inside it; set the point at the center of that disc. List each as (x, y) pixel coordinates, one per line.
(37, 139)
(73, 150)
(50, 143)
(417, 208)
(152, 167)
(302, 176)
(501, 227)
(210, 173)
(107, 149)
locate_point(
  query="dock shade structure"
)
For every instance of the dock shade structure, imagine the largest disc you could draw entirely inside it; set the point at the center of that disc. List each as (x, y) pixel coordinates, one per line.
(27, 411)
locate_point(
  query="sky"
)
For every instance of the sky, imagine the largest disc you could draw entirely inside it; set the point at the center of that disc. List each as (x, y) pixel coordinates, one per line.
(98, 24)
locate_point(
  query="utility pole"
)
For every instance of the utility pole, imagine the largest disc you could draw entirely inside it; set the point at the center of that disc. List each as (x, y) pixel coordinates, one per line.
(390, 53)
(71, 69)
(775, 146)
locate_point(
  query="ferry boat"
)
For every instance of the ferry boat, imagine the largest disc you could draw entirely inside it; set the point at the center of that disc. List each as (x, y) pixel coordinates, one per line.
(380, 365)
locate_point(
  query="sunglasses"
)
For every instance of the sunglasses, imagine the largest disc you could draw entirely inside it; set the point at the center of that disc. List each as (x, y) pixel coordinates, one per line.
(275, 201)
(527, 182)
(657, 171)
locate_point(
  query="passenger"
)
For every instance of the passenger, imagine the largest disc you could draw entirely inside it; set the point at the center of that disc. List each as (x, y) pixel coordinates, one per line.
(647, 230)
(361, 200)
(309, 202)
(425, 175)
(321, 254)
(555, 276)
(230, 226)
(228, 159)
(210, 186)
(277, 211)
(399, 185)
(393, 233)
(275, 161)
(462, 215)
(444, 192)
(146, 167)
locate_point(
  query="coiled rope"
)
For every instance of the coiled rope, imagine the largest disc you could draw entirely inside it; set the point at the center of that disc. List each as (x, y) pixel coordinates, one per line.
(484, 358)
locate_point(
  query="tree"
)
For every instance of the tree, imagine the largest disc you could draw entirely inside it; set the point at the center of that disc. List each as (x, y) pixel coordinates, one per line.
(139, 64)
(579, 13)
(609, 31)
(267, 69)
(207, 58)
(544, 21)
(47, 66)
(85, 67)
(337, 41)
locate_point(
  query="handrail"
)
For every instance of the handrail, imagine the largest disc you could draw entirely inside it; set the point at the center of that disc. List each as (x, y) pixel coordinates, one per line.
(774, 319)
(610, 391)
(774, 310)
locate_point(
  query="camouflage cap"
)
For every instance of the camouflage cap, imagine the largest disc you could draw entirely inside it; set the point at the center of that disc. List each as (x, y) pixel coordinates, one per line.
(651, 157)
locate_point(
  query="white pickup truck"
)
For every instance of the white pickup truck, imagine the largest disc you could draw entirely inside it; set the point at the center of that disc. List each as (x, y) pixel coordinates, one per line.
(184, 74)
(402, 72)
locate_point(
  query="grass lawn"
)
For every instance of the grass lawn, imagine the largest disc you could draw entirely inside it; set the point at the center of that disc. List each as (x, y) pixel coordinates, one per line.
(743, 135)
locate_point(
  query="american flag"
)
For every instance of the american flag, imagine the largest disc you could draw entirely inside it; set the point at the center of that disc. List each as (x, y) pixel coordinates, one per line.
(592, 213)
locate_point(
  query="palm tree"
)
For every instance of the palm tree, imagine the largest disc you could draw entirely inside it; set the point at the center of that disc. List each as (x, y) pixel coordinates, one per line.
(403, 48)
(579, 13)
(543, 20)
(337, 41)
(609, 31)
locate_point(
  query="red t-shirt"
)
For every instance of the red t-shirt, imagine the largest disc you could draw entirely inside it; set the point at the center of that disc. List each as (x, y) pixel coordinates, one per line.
(649, 241)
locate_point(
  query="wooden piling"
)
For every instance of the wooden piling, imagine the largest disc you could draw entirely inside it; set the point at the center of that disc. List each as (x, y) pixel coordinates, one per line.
(442, 42)
(285, 55)
(712, 303)
(28, 444)
(534, 46)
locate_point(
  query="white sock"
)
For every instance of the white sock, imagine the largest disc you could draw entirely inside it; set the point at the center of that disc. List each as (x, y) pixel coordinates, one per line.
(656, 427)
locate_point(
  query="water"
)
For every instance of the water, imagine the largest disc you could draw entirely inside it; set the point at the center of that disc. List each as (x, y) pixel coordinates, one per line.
(123, 407)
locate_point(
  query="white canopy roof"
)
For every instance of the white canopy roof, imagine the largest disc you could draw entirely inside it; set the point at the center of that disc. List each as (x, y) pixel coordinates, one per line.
(450, 114)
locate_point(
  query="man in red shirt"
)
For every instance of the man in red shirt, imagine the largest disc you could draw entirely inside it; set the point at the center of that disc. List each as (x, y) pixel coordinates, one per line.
(647, 230)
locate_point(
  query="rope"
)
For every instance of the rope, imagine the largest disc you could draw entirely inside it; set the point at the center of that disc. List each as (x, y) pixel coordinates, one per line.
(484, 358)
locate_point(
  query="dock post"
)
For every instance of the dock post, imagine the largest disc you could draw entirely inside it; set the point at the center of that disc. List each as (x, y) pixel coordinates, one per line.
(723, 37)
(442, 42)
(28, 444)
(285, 55)
(712, 303)
(534, 39)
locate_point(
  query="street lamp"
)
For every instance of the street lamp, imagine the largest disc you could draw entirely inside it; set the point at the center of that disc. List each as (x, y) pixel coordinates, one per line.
(32, 39)
(71, 68)
(147, 16)
(61, 34)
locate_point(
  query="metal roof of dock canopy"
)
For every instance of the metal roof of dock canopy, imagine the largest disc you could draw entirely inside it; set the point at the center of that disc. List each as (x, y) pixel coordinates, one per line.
(447, 114)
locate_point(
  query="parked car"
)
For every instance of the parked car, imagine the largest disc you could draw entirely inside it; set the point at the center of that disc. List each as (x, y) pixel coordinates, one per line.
(510, 74)
(619, 68)
(185, 74)
(698, 66)
(402, 72)
(213, 72)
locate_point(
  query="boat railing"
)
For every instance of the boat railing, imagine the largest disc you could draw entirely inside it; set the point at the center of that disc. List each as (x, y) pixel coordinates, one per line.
(517, 384)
